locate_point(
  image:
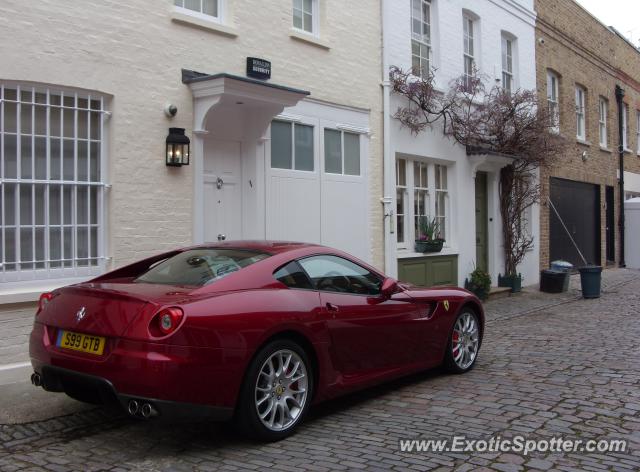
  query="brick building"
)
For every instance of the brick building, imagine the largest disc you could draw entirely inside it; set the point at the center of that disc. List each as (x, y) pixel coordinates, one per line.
(580, 62)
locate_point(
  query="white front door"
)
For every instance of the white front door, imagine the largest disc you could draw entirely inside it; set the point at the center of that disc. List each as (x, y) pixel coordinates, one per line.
(222, 190)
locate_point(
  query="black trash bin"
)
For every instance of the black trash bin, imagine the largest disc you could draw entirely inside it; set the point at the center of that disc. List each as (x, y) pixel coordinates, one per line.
(553, 281)
(590, 279)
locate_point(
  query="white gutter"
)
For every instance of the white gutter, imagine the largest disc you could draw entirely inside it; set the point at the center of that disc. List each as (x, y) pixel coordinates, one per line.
(390, 260)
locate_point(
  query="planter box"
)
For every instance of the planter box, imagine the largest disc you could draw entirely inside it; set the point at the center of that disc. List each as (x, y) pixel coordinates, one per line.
(514, 282)
(429, 246)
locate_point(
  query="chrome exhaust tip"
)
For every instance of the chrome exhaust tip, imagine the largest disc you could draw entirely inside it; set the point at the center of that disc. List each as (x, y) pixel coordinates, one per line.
(133, 407)
(36, 379)
(148, 411)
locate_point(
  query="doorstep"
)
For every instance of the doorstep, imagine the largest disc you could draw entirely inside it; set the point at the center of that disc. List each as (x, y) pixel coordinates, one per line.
(499, 292)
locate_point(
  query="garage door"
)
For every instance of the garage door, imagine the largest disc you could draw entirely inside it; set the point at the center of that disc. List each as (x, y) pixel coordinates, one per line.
(578, 205)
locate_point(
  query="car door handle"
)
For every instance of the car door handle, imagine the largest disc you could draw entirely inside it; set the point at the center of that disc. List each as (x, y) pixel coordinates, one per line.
(331, 307)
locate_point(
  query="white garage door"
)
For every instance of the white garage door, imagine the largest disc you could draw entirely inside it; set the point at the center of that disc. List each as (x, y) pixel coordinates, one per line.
(316, 185)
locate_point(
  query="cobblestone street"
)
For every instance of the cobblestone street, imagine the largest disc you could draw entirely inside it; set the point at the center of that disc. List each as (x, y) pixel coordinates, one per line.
(550, 365)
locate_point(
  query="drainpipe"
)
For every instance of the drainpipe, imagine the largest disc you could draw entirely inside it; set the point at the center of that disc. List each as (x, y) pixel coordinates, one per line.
(390, 261)
(619, 97)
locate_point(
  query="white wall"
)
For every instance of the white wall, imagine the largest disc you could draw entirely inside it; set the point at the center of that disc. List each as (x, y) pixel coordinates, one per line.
(518, 19)
(496, 16)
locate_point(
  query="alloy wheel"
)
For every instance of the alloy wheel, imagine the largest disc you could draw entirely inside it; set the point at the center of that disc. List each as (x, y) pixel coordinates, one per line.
(465, 340)
(281, 390)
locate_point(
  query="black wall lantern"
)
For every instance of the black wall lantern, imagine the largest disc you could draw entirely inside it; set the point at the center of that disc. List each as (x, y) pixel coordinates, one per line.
(177, 148)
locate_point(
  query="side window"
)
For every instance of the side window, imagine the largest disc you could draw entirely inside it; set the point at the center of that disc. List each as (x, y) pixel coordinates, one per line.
(335, 274)
(293, 276)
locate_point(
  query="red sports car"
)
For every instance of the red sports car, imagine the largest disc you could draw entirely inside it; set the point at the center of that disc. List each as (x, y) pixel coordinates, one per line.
(255, 331)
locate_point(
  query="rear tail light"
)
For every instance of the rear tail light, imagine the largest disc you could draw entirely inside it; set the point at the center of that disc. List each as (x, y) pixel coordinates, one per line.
(166, 321)
(45, 298)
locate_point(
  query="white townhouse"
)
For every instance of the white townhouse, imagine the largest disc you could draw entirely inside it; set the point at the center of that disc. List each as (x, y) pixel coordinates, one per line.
(431, 175)
(280, 100)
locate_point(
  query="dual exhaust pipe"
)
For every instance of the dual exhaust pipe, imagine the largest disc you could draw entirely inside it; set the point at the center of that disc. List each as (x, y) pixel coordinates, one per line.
(144, 410)
(135, 408)
(36, 379)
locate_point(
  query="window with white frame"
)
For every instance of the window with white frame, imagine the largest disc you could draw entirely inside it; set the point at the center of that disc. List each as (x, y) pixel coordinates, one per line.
(553, 94)
(292, 146)
(507, 63)
(603, 111)
(341, 152)
(421, 37)
(52, 192)
(305, 16)
(401, 204)
(638, 131)
(469, 49)
(421, 191)
(625, 126)
(211, 9)
(580, 117)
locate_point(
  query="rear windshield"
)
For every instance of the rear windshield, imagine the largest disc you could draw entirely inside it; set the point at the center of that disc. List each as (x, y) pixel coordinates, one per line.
(199, 267)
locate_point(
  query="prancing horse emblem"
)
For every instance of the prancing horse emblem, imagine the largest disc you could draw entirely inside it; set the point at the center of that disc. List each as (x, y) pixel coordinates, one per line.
(81, 314)
(446, 305)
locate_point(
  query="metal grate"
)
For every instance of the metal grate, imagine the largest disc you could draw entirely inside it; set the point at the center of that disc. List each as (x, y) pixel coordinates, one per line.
(51, 183)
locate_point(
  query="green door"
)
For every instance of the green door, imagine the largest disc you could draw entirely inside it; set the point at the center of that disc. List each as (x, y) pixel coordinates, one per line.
(482, 211)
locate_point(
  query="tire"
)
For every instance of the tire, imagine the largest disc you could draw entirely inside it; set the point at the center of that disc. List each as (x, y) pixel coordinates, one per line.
(276, 392)
(464, 343)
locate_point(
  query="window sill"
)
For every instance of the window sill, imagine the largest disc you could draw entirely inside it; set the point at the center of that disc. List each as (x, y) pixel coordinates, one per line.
(309, 39)
(605, 149)
(446, 251)
(30, 291)
(583, 142)
(209, 25)
(628, 151)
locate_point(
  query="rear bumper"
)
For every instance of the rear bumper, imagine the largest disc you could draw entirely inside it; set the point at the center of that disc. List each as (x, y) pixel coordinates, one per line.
(91, 389)
(204, 377)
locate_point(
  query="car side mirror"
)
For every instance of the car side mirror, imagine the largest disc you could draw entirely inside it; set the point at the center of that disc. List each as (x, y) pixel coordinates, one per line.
(389, 287)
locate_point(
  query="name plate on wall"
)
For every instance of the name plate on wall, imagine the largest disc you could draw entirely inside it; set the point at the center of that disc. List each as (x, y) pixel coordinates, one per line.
(258, 68)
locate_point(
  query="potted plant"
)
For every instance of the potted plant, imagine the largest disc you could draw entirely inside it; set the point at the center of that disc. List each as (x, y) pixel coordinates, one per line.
(479, 283)
(429, 238)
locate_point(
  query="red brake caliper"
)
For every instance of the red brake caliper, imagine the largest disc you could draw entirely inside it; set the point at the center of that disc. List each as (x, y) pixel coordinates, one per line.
(455, 338)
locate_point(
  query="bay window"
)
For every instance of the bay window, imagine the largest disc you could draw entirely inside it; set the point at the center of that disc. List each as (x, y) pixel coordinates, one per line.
(52, 183)
(421, 192)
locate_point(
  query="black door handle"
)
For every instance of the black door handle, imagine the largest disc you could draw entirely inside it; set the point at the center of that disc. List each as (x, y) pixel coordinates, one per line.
(332, 307)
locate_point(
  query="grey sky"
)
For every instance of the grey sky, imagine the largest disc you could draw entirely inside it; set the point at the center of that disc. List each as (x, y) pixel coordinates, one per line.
(623, 15)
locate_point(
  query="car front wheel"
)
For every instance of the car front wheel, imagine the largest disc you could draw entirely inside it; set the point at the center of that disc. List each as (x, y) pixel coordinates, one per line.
(276, 392)
(464, 343)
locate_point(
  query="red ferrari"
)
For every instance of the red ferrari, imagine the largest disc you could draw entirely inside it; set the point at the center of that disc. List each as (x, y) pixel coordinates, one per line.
(254, 331)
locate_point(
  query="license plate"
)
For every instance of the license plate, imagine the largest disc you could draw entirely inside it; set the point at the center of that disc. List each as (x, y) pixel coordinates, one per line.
(81, 342)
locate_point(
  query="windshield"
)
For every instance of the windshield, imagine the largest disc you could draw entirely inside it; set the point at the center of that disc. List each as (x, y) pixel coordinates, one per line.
(200, 267)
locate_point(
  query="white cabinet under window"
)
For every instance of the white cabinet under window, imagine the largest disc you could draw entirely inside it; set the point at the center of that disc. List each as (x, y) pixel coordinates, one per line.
(52, 166)
(421, 192)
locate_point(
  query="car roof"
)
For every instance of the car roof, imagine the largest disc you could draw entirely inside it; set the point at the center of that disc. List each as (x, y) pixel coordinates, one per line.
(270, 247)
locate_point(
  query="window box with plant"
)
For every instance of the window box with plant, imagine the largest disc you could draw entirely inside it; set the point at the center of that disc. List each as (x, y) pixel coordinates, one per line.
(429, 239)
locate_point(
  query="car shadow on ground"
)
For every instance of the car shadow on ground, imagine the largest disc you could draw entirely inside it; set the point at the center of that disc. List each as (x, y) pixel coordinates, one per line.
(166, 437)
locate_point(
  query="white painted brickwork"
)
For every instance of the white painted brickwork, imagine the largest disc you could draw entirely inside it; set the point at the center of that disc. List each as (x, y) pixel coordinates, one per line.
(133, 52)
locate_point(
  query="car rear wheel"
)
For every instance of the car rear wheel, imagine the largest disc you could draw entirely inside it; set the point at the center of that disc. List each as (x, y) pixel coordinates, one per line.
(464, 343)
(276, 392)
